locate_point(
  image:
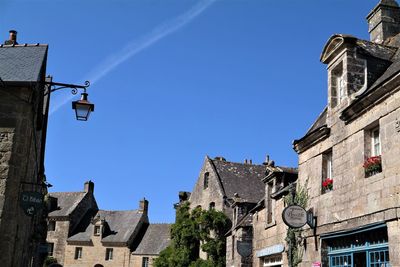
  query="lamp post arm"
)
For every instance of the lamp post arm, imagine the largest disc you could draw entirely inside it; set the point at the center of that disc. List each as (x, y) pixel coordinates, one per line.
(74, 87)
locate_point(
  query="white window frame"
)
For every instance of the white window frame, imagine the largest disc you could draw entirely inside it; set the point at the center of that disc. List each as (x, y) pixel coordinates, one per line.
(273, 260)
(376, 146)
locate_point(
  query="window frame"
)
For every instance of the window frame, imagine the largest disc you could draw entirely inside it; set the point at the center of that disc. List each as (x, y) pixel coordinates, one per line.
(97, 230)
(53, 226)
(50, 249)
(109, 254)
(206, 180)
(376, 142)
(145, 261)
(327, 169)
(78, 253)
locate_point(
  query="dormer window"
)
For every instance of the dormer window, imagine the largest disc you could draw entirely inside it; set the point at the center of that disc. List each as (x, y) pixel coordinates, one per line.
(97, 230)
(338, 85)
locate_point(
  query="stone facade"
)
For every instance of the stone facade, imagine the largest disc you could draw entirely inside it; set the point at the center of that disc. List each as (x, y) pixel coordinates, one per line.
(360, 207)
(70, 210)
(222, 183)
(23, 123)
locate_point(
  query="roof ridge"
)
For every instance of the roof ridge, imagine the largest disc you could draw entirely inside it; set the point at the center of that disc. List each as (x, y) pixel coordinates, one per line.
(241, 163)
(23, 45)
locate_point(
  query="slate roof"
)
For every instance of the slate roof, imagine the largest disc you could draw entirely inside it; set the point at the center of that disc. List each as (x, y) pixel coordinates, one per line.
(156, 239)
(22, 63)
(321, 121)
(244, 179)
(66, 202)
(121, 226)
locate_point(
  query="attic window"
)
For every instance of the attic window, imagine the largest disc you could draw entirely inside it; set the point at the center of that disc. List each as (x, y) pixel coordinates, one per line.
(337, 85)
(206, 178)
(97, 230)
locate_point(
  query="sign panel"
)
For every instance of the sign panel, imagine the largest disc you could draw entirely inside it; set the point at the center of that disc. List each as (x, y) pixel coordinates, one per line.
(294, 216)
(31, 202)
(316, 264)
(270, 250)
(244, 248)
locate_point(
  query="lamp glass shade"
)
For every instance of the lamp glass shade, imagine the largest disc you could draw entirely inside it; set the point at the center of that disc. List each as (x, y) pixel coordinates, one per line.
(82, 108)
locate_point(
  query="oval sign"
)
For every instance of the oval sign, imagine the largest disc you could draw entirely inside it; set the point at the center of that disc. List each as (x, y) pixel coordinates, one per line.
(294, 216)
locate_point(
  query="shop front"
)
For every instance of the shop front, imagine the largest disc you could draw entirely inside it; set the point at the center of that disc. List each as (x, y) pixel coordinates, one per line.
(362, 247)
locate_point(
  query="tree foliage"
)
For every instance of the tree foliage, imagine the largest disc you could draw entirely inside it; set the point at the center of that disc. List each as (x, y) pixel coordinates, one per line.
(195, 229)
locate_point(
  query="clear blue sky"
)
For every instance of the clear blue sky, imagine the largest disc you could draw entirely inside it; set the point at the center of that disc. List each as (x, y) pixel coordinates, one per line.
(176, 80)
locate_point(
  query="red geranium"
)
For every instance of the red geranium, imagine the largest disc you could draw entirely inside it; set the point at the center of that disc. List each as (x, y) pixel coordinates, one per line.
(373, 165)
(327, 184)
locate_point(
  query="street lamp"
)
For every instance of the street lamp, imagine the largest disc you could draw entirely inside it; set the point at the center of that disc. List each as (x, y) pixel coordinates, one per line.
(82, 107)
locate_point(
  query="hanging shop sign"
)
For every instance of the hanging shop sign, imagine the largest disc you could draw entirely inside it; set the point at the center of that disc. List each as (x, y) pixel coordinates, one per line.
(244, 248)
(31, 202)
(294, 216)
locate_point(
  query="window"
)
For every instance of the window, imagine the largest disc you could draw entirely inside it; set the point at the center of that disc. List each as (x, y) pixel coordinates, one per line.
(212, 206)
(145, 262)
(372, 150)
(273, 261)
(375, 142)
(337, 85)
(51, 226)
(206, 177)
(109, 254)
(97, 230)
(270, 203)
(78, 253)
(233, 247)
(327, 172)
(50, 249)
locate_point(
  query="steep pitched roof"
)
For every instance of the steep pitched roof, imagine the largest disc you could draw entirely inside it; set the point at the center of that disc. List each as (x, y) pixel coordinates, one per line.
(66, 202)
(121, 224)
(244, 179)
(156, 239)
(22, 63)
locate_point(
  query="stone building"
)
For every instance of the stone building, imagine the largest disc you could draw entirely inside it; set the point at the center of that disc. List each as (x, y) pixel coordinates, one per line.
(23, 123)
(79, 234)
(351, 154)
(69, 210)
(221, 184)
(269, 245)
(107, 238)
(258, 233)
(156, 238)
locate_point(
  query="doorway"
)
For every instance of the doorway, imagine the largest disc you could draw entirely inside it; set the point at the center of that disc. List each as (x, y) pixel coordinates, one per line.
(360, 259)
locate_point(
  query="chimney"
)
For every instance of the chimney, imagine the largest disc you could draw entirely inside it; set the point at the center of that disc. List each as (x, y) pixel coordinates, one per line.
(384, 21)
(13, 38)
(144, 206)
(245, 161)
(220, 158)
(89, 187)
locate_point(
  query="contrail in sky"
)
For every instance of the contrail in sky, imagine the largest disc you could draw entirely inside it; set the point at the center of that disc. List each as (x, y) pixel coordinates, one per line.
(138, 45)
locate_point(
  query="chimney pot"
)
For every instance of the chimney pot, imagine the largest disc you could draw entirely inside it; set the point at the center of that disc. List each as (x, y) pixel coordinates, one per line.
(144, 205)
(13, 38)
(89, 187)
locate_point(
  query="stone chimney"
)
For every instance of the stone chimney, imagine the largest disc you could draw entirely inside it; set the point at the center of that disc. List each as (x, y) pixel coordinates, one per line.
(13, 38)
(89, 187)
(144, 206)
(384, 21)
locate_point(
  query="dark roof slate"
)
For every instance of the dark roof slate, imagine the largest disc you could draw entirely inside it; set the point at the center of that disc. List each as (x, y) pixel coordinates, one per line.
(321, 121)
(22, 63)
(155, 240)
(244, 179)
(122, 225)
(377, 50)
(66, 202)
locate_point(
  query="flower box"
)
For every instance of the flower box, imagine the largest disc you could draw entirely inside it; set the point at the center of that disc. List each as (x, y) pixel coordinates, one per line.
(372, 165)
(327, 185)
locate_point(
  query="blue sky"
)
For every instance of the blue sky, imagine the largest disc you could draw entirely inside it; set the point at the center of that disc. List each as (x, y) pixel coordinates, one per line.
(176, 80)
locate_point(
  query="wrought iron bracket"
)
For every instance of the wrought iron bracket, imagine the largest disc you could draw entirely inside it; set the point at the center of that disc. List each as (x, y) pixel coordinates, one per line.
(74, 87)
